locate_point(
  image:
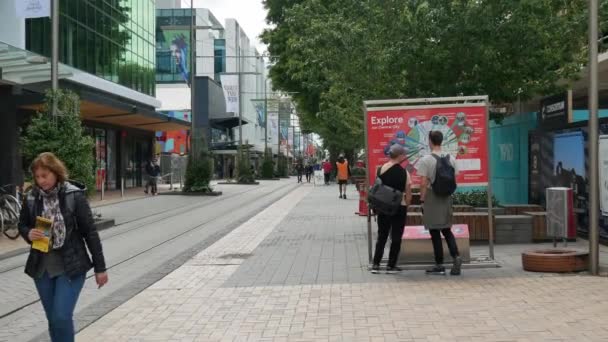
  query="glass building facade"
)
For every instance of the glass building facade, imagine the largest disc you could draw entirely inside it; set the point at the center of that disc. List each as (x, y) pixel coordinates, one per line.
(173, 63)
(112, 39)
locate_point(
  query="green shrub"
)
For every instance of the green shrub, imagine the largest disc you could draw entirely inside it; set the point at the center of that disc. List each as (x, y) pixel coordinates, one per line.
(62, 135)
(268, 165)
(474, 198)
(199, 170)
(244, 174)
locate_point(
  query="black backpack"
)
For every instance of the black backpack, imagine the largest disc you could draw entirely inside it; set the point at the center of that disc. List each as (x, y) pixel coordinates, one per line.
(445, 176)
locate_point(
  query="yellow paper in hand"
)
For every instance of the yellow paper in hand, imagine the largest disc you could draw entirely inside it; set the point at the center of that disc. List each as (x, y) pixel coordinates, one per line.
(44, 225)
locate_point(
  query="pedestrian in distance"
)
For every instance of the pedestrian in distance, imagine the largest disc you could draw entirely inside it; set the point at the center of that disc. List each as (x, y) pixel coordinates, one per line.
(299, 171)
(58, 260)
(153, 171)
(438, 172)
(343, 174)
(395, 176)
(309, 171)
(327, 171)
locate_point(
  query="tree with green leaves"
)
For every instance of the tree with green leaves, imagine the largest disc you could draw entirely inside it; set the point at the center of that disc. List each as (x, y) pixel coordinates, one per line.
(62, 135)
(334, 54)
(199, 169)
(244, 174)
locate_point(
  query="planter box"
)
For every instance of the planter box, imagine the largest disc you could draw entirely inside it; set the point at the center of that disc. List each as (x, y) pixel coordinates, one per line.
(513, 229)
(495, 211)
(520, 209)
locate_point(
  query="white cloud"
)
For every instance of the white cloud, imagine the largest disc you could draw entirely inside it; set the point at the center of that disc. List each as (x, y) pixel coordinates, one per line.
(251, 14)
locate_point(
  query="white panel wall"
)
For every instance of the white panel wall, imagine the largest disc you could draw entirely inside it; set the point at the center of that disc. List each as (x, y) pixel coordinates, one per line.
(12, 29)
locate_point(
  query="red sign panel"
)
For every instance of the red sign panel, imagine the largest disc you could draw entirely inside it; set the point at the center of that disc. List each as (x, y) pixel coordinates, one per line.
(464, 130)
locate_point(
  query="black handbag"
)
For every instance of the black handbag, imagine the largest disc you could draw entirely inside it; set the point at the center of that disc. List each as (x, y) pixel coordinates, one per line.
(384, 199)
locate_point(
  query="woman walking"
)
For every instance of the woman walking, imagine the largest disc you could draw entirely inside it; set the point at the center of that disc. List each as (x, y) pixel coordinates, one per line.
(395, 176)
(60, 267)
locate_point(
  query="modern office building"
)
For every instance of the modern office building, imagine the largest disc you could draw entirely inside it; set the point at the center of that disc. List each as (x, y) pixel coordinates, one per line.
(220, 50)
(107, 56)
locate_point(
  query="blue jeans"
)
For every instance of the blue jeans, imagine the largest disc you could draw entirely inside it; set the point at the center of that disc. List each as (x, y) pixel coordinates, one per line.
(59, 296)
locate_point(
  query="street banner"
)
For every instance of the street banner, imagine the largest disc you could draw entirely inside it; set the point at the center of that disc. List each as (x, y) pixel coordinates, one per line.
(230, 85)
(260, 110)
(284, 122)
(603, 162)
(33, 8)
(273, 122)
(464, 129)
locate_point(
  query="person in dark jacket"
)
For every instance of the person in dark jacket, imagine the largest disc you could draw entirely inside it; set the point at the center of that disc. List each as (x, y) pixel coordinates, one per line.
(299, 171)
(153, 171)
(59, 273)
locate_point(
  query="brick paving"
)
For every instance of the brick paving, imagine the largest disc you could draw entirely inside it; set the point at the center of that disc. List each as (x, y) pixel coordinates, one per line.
(297, 272)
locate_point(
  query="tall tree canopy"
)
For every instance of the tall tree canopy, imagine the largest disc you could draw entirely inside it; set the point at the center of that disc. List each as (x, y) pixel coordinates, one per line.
(334, 54)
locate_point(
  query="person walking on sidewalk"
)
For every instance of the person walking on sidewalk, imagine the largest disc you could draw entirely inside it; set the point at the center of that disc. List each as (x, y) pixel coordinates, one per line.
(326, 170)
(299, 171)
(59, 272)
(153, 171)
(309, 172)
(438, 182)
(395, 176)
(343, 174)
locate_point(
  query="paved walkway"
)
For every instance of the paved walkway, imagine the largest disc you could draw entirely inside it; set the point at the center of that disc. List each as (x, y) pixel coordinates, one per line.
(297, 272)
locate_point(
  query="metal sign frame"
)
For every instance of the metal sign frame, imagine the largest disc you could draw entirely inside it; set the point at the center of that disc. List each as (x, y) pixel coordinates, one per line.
(425, 103)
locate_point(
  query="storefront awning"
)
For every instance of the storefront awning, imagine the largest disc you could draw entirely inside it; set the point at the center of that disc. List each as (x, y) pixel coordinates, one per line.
(133, 117)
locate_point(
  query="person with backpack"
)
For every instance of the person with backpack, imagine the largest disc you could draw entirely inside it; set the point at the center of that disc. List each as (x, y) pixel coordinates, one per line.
(58, 260)
(392, 175)
(438, 182)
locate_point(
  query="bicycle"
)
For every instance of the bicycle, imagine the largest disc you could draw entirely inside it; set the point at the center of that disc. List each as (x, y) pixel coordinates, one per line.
(9, 213)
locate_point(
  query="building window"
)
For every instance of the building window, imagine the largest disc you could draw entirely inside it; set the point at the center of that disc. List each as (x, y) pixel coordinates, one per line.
(110, 39)
(219, 54)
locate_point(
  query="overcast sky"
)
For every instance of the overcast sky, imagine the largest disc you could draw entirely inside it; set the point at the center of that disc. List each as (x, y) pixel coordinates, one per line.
(249, 13)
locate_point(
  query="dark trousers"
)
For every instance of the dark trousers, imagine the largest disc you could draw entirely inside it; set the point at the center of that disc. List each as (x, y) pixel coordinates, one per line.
(59, 296)
(438, 245)
(326, 178)
(299, 177)
(393, 225)
(308, 177)
(152, 183)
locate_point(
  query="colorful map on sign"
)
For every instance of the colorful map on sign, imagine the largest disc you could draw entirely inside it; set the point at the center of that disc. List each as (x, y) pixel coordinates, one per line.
(464, 131)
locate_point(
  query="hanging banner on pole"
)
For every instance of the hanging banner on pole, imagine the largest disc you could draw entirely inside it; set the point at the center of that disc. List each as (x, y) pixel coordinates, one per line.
(603, 163)
(464, 131)
(260, 110)
(33, 8)
(230, 85)
(273, 122)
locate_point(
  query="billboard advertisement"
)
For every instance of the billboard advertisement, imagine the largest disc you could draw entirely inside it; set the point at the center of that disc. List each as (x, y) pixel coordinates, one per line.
(173, 54)
(464, 127)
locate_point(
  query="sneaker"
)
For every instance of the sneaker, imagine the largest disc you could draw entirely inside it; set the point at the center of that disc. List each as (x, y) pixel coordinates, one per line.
(146, 192)
(436, 270)
(340, 196)
(376, 269)
(393, 270)
(457, 265)
(344, 197)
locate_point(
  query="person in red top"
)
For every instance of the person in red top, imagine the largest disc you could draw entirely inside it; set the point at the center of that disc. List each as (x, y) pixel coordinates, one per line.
(326, 170)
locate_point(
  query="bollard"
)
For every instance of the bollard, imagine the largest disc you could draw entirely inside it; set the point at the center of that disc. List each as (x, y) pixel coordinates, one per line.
(122, 187)
(171, 180)
(103, 183)
(363, 209)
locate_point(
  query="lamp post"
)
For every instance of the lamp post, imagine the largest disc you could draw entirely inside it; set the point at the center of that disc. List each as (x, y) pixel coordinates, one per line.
(54, 53)
(593, 140)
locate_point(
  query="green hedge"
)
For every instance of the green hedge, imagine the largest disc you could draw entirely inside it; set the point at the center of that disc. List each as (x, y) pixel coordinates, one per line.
(474, 198)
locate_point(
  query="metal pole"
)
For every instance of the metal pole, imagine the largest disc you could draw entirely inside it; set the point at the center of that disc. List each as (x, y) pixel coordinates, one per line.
(103, 183)
(369, 212)
(193, 138)
(489, 189)
(593, 141)
(54, 52)
(238, 60)
(266, 117)
(122, 187)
